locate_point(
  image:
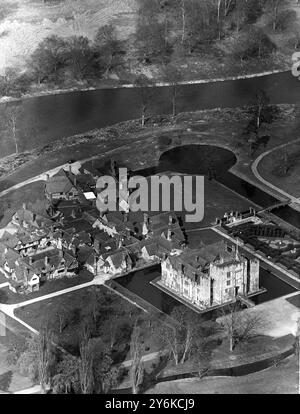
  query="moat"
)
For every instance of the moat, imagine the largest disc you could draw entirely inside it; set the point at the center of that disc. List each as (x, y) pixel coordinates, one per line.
(202, 160)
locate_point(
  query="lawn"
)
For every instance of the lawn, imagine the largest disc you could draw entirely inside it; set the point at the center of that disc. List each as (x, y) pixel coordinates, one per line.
(218, 200)
(113, 323)
(196, 237)
(282, 379)
(271, 169)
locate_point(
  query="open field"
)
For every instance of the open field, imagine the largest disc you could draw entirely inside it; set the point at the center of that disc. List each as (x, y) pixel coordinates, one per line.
(30, 21)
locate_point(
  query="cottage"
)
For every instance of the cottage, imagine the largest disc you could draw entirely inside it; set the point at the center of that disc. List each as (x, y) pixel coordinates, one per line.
(61, 186)
(115, 263)
(26, 273)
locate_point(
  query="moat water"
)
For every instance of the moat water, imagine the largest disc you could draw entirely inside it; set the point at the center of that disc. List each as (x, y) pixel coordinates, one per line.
(198, 160)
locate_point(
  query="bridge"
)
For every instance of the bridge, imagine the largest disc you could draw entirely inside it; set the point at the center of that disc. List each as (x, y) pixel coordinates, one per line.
(246, 301)
(275, 206)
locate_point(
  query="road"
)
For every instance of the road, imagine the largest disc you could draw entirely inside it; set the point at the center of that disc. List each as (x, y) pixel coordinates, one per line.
(254, 167)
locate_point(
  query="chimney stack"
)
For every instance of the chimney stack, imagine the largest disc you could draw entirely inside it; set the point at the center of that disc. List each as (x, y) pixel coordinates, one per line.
(30, 260)
(46, 260)
(169, 235)
(24, 206)
(170, 220)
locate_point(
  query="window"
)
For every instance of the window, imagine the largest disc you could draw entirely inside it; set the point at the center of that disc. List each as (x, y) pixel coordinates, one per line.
(228, 275)
(228, 283)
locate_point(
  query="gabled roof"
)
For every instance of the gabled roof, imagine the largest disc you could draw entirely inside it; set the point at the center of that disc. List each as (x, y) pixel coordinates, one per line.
(59, 183)
(31, 218)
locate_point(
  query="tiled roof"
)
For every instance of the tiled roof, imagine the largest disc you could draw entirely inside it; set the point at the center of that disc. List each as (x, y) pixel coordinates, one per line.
(59, 183)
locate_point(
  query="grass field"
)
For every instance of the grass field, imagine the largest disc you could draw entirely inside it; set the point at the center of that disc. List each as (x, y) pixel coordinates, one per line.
(30, 21)
(115, 316)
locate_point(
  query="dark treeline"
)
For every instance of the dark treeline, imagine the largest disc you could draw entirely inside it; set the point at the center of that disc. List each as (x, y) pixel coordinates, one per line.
(231, 33)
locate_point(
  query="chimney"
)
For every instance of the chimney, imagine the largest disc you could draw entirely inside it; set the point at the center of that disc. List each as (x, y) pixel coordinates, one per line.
(24, 206)
(170, 220)
(169, 235)
(30, 260)
(46, 260)
(70, 168)
(125, 217)
(73, 214)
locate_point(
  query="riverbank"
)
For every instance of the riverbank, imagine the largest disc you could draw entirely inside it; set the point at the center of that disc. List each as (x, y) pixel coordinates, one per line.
(120, 85)
(140, 147)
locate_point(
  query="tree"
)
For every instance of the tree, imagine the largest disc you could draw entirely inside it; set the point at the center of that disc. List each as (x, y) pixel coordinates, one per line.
(239, 326)
(105, 374)
(15, 348)
(252, 44)
(108, 47)
(12, 120)
(152, 32)
(144, 89)
(260, 103)
(67, 380)
(48, 61)
(274, 9)
(45, 357)
(86, 363)
(173, 76)
(80, 57)
(38, 359)
(136, 369)
(184, 336)
(61, 316)
(262, 116)
(190, 324)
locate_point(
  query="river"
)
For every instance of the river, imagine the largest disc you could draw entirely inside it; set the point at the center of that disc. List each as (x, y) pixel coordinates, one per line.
(48, 118)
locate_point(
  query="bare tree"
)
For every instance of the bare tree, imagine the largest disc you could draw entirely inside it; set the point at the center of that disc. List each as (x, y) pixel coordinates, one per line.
(45, 357)
(12, 120)
(173, 76)
(61, 318)
(136, 370)
(239, 326)
(261, 101)
(86, 363)
(144, 88)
